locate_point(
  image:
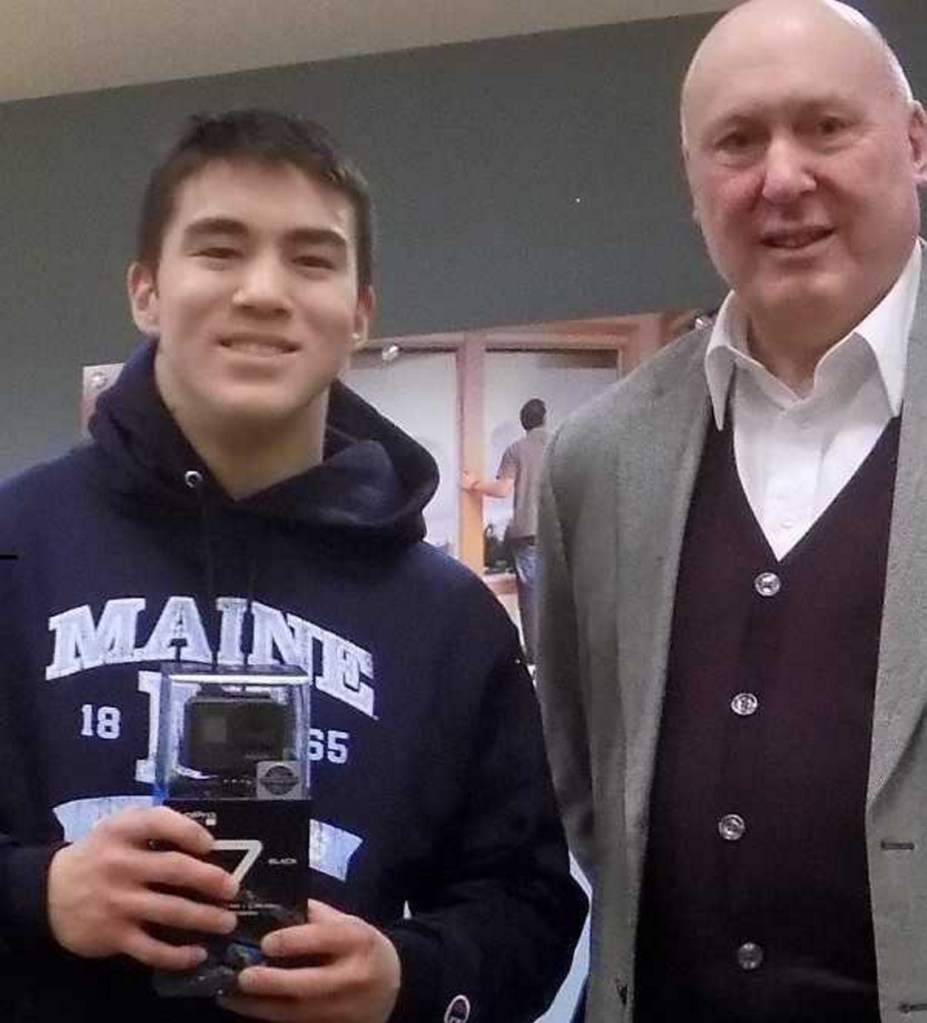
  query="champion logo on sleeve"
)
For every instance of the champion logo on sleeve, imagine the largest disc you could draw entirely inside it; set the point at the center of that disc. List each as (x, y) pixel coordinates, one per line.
(458, 1010)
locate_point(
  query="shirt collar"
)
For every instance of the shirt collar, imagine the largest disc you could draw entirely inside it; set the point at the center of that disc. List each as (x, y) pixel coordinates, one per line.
(885, 329)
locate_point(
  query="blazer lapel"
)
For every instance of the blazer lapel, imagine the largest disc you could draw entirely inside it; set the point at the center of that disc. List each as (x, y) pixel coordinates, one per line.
(901, 687)
(656, 476)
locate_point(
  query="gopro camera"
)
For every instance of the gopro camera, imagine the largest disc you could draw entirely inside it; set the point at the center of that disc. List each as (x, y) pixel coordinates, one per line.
(232, 754)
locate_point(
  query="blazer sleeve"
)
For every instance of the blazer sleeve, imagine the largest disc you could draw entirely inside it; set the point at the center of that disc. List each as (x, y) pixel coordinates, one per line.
(560, 670)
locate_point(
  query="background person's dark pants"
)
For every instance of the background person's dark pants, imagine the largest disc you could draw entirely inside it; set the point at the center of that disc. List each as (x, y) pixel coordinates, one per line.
(524, 554)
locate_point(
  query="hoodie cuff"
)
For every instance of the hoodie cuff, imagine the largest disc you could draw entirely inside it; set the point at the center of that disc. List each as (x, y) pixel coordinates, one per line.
(422, 995)
(25, 894)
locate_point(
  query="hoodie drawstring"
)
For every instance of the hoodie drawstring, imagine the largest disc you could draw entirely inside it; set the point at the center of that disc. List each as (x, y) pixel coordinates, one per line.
(194, 480)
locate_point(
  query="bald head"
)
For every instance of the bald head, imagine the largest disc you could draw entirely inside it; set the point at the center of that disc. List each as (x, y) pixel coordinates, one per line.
(804, 152)
(776, 23)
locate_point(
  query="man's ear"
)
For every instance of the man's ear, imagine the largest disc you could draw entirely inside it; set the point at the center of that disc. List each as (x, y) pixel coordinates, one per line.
(143, 299)
(917, 133)
(687, 171)
(363, 316)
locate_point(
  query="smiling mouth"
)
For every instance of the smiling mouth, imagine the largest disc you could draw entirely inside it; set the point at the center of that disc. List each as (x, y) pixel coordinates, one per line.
(263, 347)
(797, 239)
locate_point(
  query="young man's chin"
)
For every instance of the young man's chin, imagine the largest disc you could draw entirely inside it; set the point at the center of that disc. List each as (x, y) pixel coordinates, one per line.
(256, 418)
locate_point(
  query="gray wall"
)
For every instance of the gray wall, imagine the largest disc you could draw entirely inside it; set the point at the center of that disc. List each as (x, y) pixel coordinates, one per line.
(476, 154)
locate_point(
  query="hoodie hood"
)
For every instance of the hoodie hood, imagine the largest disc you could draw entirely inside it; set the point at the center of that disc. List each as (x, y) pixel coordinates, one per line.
(372, 484)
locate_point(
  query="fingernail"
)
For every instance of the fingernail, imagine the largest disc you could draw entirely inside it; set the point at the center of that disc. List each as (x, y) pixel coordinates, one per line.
(229, 922)
(243, 980)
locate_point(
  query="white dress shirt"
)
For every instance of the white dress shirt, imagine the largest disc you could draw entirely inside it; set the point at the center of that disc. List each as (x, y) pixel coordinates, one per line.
(796, 453)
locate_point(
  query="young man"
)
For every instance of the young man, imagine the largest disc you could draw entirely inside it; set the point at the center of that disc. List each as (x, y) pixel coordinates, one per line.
(237, 506)
(734, 562)
(519, 475)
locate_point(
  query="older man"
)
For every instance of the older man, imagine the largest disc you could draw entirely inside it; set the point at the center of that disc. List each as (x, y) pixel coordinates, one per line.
(734, 565)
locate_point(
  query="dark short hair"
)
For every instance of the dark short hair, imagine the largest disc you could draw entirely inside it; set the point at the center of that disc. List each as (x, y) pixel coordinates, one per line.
(261, 136)
(533, 413)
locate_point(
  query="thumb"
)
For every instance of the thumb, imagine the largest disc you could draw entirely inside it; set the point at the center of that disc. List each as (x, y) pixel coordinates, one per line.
(321, 913)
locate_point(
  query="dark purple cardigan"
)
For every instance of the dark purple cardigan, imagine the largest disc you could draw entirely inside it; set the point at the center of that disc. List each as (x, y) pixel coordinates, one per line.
(755, 904)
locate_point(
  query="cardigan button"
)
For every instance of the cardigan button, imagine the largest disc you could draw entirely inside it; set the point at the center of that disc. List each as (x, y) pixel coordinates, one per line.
(750, 956)
(744, 704)
(767, 584)
(731, 827)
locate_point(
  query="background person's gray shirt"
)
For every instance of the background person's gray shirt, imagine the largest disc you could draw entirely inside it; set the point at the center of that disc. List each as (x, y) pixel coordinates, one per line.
(521, 462)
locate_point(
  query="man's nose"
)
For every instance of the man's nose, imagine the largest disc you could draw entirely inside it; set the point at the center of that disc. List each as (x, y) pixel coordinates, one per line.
(263, 285)
(788, 172)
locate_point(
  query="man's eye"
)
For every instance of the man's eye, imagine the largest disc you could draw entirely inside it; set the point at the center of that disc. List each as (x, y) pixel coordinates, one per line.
(218, 252)
(735, 142)
(828, 127)
(314, 261)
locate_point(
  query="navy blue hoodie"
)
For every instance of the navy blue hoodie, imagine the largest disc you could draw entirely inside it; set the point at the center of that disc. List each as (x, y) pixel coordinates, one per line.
(430, 781)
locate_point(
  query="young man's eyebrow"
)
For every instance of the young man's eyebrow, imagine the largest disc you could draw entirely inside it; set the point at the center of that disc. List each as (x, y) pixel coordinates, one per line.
(215, 225)
(316, 236)
(231, 227)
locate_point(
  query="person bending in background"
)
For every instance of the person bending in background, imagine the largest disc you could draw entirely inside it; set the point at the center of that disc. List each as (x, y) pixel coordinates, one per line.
(519, 477)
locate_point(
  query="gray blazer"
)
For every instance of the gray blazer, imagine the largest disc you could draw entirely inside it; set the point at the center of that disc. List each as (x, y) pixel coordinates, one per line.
(615, 494)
